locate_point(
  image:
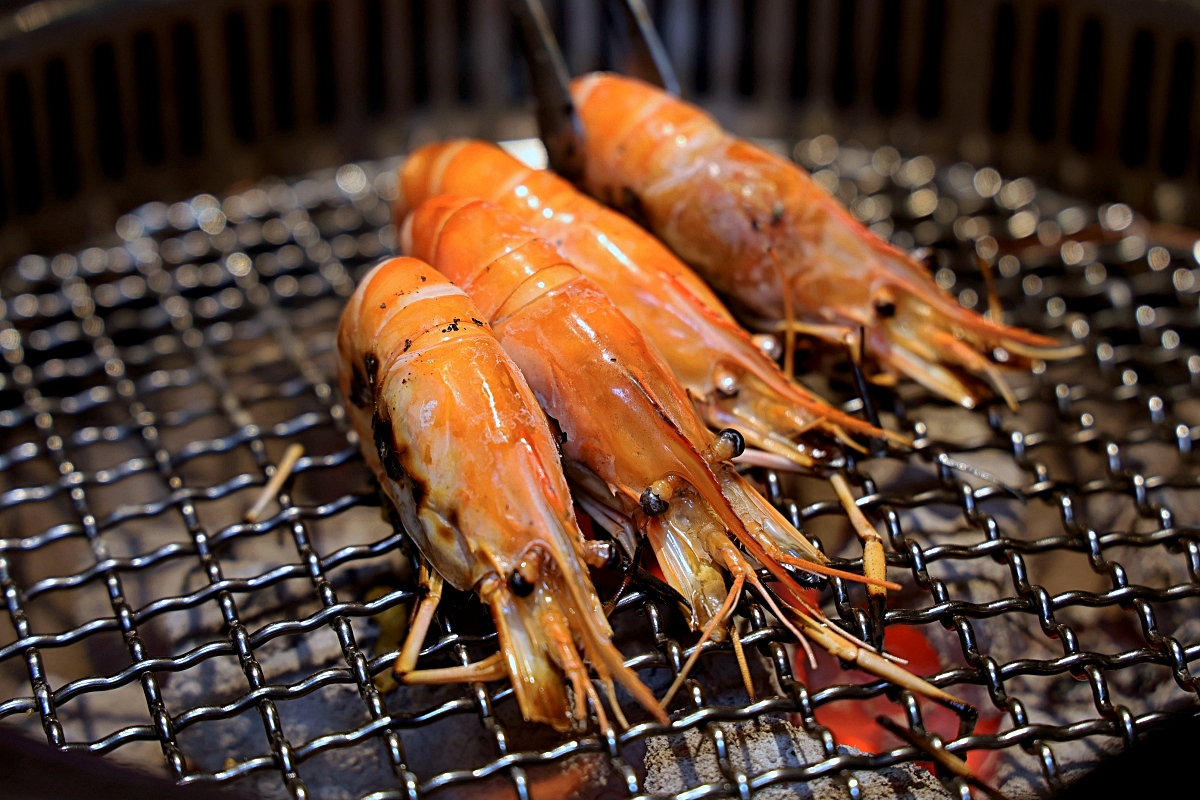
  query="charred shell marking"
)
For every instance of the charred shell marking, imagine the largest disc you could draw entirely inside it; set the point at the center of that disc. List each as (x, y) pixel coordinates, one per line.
(385, 444)
(362, 382)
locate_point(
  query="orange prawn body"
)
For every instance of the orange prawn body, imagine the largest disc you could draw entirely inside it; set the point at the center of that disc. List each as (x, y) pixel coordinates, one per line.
(764, 234)
(455, 436)
(733, 383)
(632, 442)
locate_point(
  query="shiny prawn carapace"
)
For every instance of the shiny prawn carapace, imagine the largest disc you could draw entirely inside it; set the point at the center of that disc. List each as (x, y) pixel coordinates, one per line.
(765, 235)
(456, 439)
(729, 378)
(641, 459)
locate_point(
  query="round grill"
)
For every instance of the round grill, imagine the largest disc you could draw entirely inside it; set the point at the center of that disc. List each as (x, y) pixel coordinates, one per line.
(152, 381)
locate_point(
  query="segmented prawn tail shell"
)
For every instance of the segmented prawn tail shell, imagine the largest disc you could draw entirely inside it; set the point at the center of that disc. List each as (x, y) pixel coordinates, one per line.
(400, 347)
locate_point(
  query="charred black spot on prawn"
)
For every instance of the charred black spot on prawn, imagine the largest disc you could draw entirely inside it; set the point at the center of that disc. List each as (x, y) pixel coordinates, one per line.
(362, 382)
(385, 445)
(362, 393)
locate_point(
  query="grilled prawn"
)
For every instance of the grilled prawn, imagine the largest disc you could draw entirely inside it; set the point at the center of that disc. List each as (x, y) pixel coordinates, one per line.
(456, 439)
(763, 233)
(632, 442)
(733, 383)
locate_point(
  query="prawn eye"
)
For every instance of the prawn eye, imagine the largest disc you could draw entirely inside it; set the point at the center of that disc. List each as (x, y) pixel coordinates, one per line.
(732, 441)
(519, 584)
(652, 503)
(885, 308)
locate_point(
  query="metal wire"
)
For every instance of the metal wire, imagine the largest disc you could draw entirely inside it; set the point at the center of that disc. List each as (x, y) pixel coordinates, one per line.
(235, 301)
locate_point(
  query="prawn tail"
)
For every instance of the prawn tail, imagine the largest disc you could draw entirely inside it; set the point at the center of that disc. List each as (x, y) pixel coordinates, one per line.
(420, 175)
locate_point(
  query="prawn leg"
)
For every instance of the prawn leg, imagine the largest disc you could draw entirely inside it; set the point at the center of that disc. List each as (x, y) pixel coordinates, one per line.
(876, 664)
(489, 669)
(726, 609)
(743, 665)
(874, 561)
(831, 334)
(741, 572)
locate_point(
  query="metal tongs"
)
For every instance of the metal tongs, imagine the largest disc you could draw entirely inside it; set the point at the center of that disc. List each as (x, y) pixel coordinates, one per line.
(558, 124)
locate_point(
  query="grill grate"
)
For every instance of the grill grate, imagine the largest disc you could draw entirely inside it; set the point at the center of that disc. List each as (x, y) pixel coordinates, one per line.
(149, 388)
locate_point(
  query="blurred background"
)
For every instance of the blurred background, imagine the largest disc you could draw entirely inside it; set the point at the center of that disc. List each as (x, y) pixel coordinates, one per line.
(104, 104)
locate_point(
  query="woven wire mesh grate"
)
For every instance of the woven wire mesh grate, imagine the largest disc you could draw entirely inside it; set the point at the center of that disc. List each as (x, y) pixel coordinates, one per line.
(149, 389)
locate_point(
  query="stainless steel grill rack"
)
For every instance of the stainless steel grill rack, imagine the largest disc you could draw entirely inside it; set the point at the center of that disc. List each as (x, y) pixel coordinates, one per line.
(149, 387)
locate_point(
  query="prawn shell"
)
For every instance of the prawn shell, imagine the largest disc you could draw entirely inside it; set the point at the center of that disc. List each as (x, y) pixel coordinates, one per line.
(623, 415)
(768, 237)
(455, 436)
(450, 412)
(661, 295)
(576, 349)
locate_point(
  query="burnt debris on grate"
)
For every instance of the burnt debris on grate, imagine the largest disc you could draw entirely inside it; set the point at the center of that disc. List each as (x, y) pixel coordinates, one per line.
(149, 388)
